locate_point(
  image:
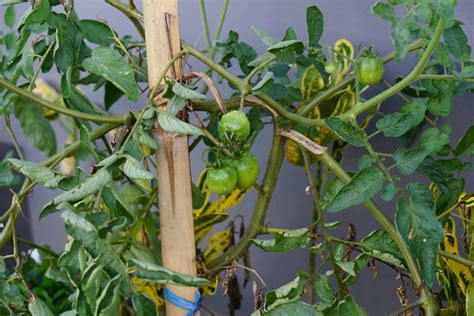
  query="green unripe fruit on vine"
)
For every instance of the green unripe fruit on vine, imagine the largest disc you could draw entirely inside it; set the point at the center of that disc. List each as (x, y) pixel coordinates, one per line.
(370, 69)
(221, 181)
(234, 125)
(247, 170)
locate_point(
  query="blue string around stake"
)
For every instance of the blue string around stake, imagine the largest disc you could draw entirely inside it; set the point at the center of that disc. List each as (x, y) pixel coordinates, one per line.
(182, 303)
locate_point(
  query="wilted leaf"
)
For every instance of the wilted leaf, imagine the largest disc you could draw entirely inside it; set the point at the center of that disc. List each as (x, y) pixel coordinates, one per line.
(37, 172)
(172, 124)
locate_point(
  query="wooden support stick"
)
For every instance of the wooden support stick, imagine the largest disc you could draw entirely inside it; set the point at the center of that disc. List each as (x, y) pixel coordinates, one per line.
(173, 171)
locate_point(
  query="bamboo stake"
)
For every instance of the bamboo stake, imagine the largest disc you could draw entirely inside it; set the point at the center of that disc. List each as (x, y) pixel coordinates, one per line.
(173, 170)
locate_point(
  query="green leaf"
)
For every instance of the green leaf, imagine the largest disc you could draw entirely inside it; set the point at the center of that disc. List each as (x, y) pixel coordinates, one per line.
(264, 84)
(287, 293)
(10, 16)
(37, 307)
(8, 2)
(347, 132)
(264, 37)
(155, 273)
(417, 108)
(35, 126)
(40, 13)
(347, 267)
(400, 38)
(389, 192)
(108, 63)
(419, 226)
(470, 299)
(286, 241)
(176, 104)
(433, 140)
(441, 54)
(363, 186)
(7, 177)
(293, 45)
(187, 93)
(395, 124)
(380, 245)
(69, 41)
(315, 25)
(457, 42)
(294, 308)
(78, 221)
(408, 160)
(441, 103)
(172, 124)
(347, 307)
(37, 173)
(143, 305)
(467, 72)
(386, 12)
(324, 290)
(108, 304)
(135, 170)
(96, 32)
(450, 197)
(466, 144)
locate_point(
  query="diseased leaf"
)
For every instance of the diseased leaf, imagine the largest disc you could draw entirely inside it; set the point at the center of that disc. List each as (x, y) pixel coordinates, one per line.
(441, 103)
(386, 12)
(294, 308)
(347, 132)
(155, 273)
(187, 93)
(363, 186)
(285, 241)
(37, 173)
(418, 225)
(78, 221)
(108, 63)
(315, 25)
(172, 124)
(135, 170)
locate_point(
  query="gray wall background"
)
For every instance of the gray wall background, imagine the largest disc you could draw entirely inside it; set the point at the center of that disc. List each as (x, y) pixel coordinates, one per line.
(290, 207)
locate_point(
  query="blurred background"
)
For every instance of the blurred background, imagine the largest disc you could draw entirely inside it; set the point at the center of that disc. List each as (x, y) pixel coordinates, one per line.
(291, 207)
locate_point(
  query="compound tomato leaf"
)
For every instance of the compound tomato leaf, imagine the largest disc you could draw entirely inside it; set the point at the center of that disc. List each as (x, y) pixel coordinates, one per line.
(418, 225)
(108, 63)
(347, 132)
(362, 187)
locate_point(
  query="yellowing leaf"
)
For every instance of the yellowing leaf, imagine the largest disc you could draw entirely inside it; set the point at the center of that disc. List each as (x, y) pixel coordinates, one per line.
(311, 83)
(450, 244)
(344, 52)
(218, 243)
(149, 289)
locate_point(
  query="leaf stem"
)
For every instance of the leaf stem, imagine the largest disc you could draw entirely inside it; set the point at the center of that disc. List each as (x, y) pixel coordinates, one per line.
(205, 26)
(27, 95)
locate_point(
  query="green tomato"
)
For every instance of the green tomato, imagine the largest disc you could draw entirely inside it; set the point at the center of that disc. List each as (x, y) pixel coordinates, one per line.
(247, 170)
(370, 69)
(235, 125)
(221, 181)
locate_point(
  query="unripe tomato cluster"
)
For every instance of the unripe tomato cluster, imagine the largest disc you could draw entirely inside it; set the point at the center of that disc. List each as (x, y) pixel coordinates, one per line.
(239, 169)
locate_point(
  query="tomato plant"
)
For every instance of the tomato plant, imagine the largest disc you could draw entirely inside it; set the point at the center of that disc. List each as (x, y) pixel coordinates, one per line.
(317, 99)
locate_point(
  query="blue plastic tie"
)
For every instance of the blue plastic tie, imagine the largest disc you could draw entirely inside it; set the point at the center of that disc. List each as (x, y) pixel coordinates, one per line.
(182, 303)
